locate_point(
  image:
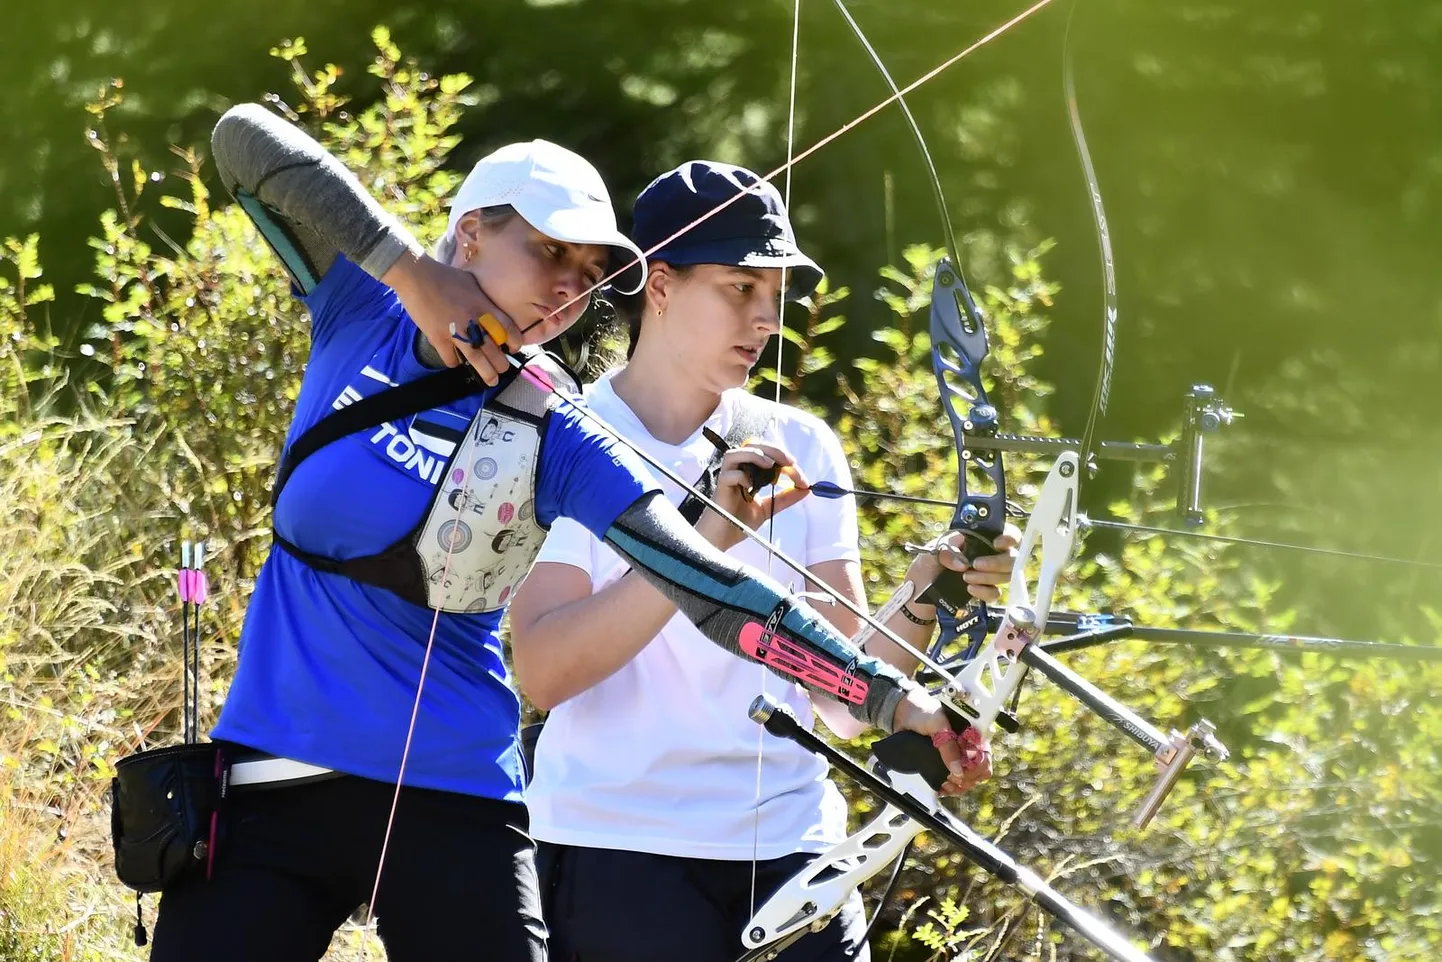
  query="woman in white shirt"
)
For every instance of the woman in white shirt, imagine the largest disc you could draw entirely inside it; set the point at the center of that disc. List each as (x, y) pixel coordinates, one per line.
(645, 795)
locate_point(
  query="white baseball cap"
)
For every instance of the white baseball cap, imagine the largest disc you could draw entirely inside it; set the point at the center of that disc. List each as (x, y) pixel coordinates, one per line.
(558, 193)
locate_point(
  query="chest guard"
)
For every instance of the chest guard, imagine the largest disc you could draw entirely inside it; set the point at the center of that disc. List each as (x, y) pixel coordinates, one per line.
(479, 534)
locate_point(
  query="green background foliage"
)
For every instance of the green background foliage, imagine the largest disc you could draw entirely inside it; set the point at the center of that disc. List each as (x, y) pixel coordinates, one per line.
(154, 411)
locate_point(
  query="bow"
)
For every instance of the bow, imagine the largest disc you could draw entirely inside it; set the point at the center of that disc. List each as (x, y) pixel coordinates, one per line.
(992, 675)
(988, 677)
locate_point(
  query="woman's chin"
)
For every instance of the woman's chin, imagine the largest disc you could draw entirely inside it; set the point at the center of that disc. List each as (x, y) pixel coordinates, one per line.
(733, 377)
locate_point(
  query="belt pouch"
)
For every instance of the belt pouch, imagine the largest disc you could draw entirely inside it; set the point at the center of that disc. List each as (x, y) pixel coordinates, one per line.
(165, 814)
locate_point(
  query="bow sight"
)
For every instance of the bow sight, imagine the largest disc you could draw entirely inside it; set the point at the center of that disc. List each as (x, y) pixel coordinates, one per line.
(1204, 412)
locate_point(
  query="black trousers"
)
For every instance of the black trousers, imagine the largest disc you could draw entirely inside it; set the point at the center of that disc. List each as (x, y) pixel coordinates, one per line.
(606, 905)
(459, 880)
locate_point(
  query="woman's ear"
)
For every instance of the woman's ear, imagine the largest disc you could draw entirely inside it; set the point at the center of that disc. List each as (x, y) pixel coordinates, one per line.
(468, 236)
(658, 285)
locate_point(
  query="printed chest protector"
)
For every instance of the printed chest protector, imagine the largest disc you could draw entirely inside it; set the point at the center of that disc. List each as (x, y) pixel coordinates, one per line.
(479, 535)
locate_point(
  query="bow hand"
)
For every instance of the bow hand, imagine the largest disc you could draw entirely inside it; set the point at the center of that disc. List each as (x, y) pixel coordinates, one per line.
(933, 740)
(959, 568)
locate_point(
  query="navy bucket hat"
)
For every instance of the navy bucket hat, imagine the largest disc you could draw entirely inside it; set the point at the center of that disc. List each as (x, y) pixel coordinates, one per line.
(752, 231)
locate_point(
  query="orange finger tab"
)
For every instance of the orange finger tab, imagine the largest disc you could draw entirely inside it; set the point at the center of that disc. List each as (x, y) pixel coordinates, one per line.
(493, 327)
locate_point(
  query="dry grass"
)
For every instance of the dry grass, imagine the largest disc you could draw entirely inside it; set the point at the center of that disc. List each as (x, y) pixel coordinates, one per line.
(89, 672)
(74, 637)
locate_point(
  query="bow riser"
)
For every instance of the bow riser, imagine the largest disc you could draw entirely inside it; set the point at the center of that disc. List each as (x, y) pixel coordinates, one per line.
(811, 898)
(993, 676)
(958, 348)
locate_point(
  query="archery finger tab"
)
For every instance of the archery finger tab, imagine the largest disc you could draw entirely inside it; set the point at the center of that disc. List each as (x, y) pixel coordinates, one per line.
(475, 335)
(759, 477)
(493, 327)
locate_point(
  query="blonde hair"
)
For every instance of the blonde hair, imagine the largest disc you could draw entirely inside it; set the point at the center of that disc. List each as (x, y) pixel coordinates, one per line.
(491, 218)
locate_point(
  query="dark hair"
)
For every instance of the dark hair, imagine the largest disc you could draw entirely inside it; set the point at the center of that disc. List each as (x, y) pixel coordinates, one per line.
(630, 308)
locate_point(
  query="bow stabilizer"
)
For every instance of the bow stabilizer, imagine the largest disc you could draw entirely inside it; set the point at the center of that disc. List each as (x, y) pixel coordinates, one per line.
(911, 807)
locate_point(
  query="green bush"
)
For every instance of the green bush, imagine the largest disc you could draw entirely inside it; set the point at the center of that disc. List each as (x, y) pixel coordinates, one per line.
(165, 427)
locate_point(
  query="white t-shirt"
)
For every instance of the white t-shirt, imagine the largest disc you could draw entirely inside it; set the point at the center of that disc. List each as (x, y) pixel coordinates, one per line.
(661, 756)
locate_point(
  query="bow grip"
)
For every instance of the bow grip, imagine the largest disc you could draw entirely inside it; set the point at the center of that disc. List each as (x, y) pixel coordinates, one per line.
(949, 591)
(914, 753)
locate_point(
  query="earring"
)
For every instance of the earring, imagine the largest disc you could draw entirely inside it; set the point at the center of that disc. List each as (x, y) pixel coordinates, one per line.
(659, 312)
(468, 252)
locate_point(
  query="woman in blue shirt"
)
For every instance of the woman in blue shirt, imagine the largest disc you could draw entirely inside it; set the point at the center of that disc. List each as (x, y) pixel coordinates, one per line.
(371, 656)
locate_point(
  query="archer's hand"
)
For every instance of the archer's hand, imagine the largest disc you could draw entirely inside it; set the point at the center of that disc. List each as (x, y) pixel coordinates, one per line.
(967, 755)
(733, 492)
(440, 298)
(984, 576)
